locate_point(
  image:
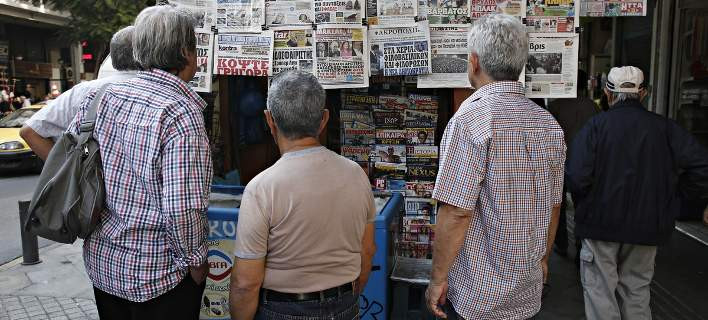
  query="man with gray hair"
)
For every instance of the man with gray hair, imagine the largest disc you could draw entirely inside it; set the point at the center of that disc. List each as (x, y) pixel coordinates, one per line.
(499, 187)
(305, 235)
(147, 256)
(625, 170)
(50, 122)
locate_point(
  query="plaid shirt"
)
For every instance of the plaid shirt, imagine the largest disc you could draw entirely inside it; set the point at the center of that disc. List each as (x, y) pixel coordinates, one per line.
(502, 158)
(157, 170)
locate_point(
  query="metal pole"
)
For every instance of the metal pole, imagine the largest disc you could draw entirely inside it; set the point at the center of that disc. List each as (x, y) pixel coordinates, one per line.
(30, 248)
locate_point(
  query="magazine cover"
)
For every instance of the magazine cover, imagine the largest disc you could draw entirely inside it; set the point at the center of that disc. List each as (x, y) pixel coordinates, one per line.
(419, 119)
(417, 207)
(424, 155)
(390, 170)
(355, 101)
(420, 136)
(350, 116)
(389, 119)
(388, 153)
(420, 189)
(355, 136)
(292, 49)
(391, 102)
(391, 136)
(422, 172)
(356, 153)
(421, 102)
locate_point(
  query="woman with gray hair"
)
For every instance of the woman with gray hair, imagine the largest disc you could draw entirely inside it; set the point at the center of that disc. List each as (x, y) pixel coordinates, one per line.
(147, 256)
(500, 183)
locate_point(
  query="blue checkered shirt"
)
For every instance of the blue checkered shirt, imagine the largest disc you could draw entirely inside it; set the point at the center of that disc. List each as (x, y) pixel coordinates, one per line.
(157, 170)
(502, 157)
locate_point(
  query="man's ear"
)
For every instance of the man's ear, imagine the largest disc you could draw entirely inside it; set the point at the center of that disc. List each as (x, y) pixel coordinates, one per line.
(323, 122)
(473, 63)
(271, 123)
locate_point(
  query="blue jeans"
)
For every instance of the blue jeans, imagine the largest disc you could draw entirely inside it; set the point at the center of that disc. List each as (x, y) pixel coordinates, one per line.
(344, 307)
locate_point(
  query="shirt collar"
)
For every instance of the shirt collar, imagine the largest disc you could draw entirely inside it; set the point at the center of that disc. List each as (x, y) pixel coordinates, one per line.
(172, 81)
(303, 152)
(513, 87)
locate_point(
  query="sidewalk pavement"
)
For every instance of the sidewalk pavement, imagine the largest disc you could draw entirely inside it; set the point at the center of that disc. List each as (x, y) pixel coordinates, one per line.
(57, 288)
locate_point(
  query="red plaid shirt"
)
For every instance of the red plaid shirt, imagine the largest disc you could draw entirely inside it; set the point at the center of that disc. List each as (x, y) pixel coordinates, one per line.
(502, 157)
(157, 170)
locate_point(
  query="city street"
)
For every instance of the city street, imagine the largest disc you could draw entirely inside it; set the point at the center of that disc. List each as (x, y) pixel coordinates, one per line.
(14, 188)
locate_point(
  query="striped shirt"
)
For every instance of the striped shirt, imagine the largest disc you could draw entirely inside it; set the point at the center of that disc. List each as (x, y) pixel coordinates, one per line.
(502, 157)
(157, 170)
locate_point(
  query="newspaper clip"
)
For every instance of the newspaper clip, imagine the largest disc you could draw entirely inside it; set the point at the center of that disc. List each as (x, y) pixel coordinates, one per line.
(578, 29)
(214, 30)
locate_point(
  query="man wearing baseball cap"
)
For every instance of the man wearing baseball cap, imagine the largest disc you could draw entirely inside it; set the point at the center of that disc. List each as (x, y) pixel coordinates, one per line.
(623, 171)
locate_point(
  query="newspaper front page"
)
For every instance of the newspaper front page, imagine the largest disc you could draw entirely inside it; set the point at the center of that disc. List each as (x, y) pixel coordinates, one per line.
(396, 12)
(449, 58)
(480, 8)
(204, 11)
(445, 12)
(240, 15)
(552, 16)
(340, 58)
(339, 11)
(289, 13)
(244, 54)
(613, 8)
(552, 67)
(205, 55)
(293, 49)
(400, 51)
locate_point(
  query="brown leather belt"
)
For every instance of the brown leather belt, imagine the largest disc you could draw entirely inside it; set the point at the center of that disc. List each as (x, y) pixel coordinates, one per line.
(271, 295)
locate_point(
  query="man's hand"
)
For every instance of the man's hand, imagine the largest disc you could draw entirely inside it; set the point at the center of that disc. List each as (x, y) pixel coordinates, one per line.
(544, 266)
(435, 296)
(200, 273)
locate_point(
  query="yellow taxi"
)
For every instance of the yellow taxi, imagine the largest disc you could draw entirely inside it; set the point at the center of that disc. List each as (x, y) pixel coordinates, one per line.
(14, 152)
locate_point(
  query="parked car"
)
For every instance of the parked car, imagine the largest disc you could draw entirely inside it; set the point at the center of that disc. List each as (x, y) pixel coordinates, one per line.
(15, 154)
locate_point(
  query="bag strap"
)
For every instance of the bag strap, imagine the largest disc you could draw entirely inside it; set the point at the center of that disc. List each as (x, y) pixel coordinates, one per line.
(89, 121)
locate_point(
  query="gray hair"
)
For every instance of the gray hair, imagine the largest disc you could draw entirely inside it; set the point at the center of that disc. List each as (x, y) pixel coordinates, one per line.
(163, 34)
(122, 50)
(625, 96)
(296, 100)
(501, 43)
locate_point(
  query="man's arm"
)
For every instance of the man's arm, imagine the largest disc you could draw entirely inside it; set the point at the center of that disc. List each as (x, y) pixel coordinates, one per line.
(368, 249)
(552, 230)
(40, 145)
(450, 231)
(580, 164)
(692, 158)
(246, 280)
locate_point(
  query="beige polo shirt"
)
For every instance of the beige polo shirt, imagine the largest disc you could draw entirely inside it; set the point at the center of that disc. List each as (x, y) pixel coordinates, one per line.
(306, 215)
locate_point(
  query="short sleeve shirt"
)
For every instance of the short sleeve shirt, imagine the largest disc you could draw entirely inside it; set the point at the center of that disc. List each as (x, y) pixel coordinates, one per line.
(502, 157)
(306, 215)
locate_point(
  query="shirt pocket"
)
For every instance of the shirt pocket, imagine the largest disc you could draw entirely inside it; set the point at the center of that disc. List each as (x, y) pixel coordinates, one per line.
(588, 274)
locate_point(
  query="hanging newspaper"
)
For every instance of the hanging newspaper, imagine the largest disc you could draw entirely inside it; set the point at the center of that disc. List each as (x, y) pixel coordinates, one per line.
(396, 12)
(203, 10)
(400, 51)
(445, 12)
(448, 46)
(339, 11)
(244, 54)
(552, 16)
(552, 67)
(613, 8)
(289, 12)
(340, 61)
(292, 49)
(480, 8)
(205, 52)
(240, 15)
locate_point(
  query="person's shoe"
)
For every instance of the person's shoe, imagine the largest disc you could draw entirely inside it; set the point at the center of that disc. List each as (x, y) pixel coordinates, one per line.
(563, 252)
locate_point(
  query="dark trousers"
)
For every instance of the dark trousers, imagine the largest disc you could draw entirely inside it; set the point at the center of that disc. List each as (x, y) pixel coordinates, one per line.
(182, 302)
(452, 314)
(344, 307)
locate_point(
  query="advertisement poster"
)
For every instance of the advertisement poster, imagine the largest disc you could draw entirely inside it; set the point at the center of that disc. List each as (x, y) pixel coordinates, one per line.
(396, 12)
(288, 12)
(448, 46)
(444, 12)
(204, 11)
(244, 54)
(221, 241)
(240, 15)
(613, 8)
(552, 16)
(205, 55)
(552, 67)
(339, 11)
(340, 58)
(293, 49)
(400, 51)
(480, 8)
